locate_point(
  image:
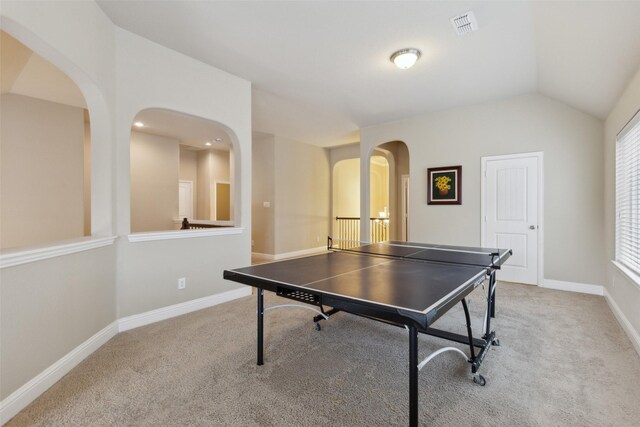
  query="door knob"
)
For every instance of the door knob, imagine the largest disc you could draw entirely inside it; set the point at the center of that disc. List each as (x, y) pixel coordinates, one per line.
(532, 227)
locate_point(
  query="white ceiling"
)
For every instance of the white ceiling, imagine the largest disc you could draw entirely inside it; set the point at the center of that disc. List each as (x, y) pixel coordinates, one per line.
(192, 132)
(321, 70)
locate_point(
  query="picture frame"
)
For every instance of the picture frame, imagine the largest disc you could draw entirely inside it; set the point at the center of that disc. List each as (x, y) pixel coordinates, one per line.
(444, 185)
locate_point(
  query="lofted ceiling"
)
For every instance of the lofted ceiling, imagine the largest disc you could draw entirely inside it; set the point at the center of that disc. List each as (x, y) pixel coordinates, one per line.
(321, 71)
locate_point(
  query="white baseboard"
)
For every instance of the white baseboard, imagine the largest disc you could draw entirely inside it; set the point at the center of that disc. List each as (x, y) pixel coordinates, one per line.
(266, 257)
(624, 322)
(573, 287)
(26, 394)
(153, 316)
(294, 254)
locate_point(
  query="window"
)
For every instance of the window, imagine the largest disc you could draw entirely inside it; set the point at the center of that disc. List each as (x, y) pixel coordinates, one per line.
(628, 196)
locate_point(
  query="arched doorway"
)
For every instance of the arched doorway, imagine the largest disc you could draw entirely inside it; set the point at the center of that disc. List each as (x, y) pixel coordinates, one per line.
(389, 192)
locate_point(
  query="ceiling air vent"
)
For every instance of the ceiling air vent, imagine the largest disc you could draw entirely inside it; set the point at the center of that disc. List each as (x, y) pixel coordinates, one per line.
(464, 23)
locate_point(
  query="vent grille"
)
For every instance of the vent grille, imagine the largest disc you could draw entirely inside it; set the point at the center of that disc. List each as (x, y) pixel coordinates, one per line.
(465, 23)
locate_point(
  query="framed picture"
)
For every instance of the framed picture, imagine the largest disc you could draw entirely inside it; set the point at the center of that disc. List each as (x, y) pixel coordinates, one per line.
(444, 186)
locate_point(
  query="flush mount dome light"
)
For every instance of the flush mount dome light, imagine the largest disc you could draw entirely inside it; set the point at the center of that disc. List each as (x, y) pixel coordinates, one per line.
(138, 124)
(405, 58)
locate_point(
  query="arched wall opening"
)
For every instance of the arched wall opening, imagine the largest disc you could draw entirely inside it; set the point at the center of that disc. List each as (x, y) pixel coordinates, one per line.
(46, 162)
(97, 185)
(182, 172)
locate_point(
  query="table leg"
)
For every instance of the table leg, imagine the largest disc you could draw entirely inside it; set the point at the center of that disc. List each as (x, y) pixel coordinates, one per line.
(413, 376)
(492, 287)
(260, 324)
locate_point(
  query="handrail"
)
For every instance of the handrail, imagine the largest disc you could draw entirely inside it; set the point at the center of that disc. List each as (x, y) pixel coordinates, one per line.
(358, 218)
(194, 224)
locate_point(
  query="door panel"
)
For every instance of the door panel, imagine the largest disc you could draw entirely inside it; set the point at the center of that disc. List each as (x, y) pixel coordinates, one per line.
(185, 199)
(511, 215)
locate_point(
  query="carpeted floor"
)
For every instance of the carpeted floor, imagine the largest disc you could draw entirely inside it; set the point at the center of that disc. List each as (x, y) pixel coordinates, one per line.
(564, 360)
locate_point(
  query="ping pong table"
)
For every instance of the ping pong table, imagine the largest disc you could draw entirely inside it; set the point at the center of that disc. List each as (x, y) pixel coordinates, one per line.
(410, 285)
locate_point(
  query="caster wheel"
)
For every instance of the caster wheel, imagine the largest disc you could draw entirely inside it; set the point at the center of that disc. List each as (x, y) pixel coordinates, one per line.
(479, 379)
(318, 328)
(496, 342)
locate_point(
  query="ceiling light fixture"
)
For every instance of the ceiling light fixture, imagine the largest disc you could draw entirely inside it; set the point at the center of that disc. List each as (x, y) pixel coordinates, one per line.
(218, 139)
(208, 144)
(405, 58)
(138, 124)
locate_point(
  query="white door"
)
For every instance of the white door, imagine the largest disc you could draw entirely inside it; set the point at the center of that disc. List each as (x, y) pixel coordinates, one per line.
(511, 196)
(185, 199)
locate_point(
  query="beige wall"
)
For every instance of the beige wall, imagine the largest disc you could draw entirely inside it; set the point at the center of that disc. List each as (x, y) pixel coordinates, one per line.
(346, 188)
(622, 290)
(294, 178)
(302, 195)
(42, 172)
(155, 164)
(573, 171)
(51, 307)
(189, 172)
(147, 272)
(263, 190)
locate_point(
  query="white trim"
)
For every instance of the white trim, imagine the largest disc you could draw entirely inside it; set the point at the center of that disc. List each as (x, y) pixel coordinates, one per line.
(624, 322)
(261, 256)
(183, 234)
(302, 252)
(483, 170)
(26, 394)
(573, 287)
(276, 257)
(153, 316)
(631, 275)
(10, 258)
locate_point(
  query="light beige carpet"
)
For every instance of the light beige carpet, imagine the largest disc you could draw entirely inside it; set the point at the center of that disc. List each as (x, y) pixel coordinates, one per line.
(564, 360)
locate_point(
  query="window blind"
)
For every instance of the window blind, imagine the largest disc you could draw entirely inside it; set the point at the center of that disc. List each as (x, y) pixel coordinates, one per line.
(628, 195)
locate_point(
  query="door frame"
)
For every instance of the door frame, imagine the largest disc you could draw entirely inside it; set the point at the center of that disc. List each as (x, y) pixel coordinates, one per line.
(190, 184)
(405, 207)
(483, 194)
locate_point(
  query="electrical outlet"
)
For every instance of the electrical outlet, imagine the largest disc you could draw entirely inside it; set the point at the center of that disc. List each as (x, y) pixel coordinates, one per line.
(253, 243)
(182, 283)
